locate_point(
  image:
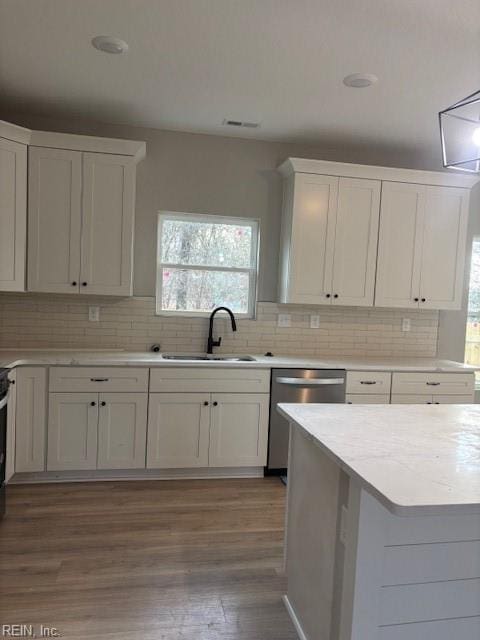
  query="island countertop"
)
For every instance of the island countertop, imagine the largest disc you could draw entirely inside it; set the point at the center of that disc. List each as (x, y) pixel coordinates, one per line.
(415, 459)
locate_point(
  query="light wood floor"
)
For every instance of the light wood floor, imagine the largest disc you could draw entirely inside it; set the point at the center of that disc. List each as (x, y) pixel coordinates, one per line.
(166, 560)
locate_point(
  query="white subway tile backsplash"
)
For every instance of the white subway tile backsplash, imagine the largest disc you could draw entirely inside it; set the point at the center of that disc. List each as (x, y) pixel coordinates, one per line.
(48, 321)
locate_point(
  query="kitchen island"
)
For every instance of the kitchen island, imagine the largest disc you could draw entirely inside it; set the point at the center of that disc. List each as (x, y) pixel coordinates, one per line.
(383, 522)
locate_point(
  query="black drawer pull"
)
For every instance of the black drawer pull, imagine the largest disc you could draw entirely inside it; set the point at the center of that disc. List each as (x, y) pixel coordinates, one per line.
(432, 384)
(99, 379)
(368, 382)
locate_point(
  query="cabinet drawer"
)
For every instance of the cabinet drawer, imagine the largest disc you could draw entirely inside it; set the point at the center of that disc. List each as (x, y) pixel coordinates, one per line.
(84, 379)
(367, 398)
(431, 399)
(376, 382)
(209, 379)
(434, 383)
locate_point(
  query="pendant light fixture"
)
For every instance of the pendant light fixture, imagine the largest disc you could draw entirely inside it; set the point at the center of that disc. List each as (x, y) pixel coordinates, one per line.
(460, 134)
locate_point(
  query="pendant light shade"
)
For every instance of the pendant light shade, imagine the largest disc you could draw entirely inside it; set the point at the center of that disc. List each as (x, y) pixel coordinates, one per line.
(460, 134)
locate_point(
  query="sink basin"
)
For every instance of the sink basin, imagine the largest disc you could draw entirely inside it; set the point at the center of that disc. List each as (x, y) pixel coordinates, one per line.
(207, 357)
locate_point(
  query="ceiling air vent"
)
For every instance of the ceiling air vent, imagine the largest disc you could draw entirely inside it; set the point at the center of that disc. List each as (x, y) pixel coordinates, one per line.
(240, 123)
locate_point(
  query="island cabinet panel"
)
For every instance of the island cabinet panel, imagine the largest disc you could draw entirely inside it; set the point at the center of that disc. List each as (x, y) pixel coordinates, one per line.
(410, 577)
(178, 430)
(13, 215)
(122, 430)
(457, 629)
(31, 418)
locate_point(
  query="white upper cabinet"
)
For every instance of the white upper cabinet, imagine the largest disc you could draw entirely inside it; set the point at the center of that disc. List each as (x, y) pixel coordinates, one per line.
(54, 220)
(355, 249)
(13, 214)
(108, 219)
(361, 235)
(329, 240)
(421, 252)
(81, 214)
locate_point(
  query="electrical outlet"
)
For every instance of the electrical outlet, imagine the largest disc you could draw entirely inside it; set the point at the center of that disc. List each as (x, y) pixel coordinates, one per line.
(284, 320)
(94, 314)
(406, 324)
(314, 322)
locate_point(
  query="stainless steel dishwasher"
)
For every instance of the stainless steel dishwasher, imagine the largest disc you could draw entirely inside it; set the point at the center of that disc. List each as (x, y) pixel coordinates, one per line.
(298, 385)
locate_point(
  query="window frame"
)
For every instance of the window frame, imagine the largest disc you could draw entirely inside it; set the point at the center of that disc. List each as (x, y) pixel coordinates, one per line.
(252, 271)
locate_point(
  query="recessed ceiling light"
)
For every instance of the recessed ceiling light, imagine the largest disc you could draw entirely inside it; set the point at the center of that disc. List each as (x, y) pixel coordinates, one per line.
(110, 44)
(360, 80)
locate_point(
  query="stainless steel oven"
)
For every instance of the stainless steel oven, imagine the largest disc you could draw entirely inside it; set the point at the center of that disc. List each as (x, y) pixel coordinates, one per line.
(298, 385)
(3, 435)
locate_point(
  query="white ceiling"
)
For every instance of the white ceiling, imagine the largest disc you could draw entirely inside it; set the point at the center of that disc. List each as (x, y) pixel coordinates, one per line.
(191, 63)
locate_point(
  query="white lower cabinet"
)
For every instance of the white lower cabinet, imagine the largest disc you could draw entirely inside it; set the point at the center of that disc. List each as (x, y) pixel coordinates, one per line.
(431, 399)
(178, 430)
(122, 430)
(96, 431)
(207, 430)
(30, 418)
(239, 430)
(72, 431)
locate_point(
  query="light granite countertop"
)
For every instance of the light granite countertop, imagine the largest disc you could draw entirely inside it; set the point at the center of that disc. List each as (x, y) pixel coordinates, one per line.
(18, 357)
(415, 459)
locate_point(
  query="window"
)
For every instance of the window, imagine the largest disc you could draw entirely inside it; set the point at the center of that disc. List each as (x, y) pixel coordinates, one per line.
(472, 344)
(204, 262)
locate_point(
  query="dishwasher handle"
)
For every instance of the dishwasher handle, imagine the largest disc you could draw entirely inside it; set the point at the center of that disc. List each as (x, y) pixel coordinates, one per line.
(310, 382)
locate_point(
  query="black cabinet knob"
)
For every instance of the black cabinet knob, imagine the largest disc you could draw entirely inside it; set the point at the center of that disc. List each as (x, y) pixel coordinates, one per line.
(335, 295)
(205, 404)
(74, 284)
(423, 300)
(84, 284)
(103, 404)
(327, 295)
(415, 299)
(93, 404)
(215, 404)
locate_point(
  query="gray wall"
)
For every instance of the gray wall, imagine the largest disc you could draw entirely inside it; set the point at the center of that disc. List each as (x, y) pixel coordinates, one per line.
(216, 175)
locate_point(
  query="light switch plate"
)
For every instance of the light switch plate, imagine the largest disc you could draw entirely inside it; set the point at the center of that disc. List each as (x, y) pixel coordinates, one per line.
(314, 322)
(284, 320)
(406, 324)
(94, 314)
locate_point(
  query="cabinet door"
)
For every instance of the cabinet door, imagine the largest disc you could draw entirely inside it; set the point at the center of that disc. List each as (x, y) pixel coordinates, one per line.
(356, 236)
(239, 430)
(312, 239)
(11, 426)
(54, 220)
(122, 430)
(178, 430)
(460, 399)
(72, 431)
(108, 217)
(13, 215)
(443, 255)
(31, 419)
(402, 214)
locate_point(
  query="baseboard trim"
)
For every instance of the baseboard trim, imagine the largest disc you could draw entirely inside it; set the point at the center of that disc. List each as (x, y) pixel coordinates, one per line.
(137, 474)
(293, 618)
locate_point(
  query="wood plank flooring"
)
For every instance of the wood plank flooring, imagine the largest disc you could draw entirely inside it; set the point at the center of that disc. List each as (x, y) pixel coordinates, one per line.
(163, 560)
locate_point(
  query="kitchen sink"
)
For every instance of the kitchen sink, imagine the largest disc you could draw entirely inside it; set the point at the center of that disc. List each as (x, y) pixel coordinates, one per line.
(207, 357)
